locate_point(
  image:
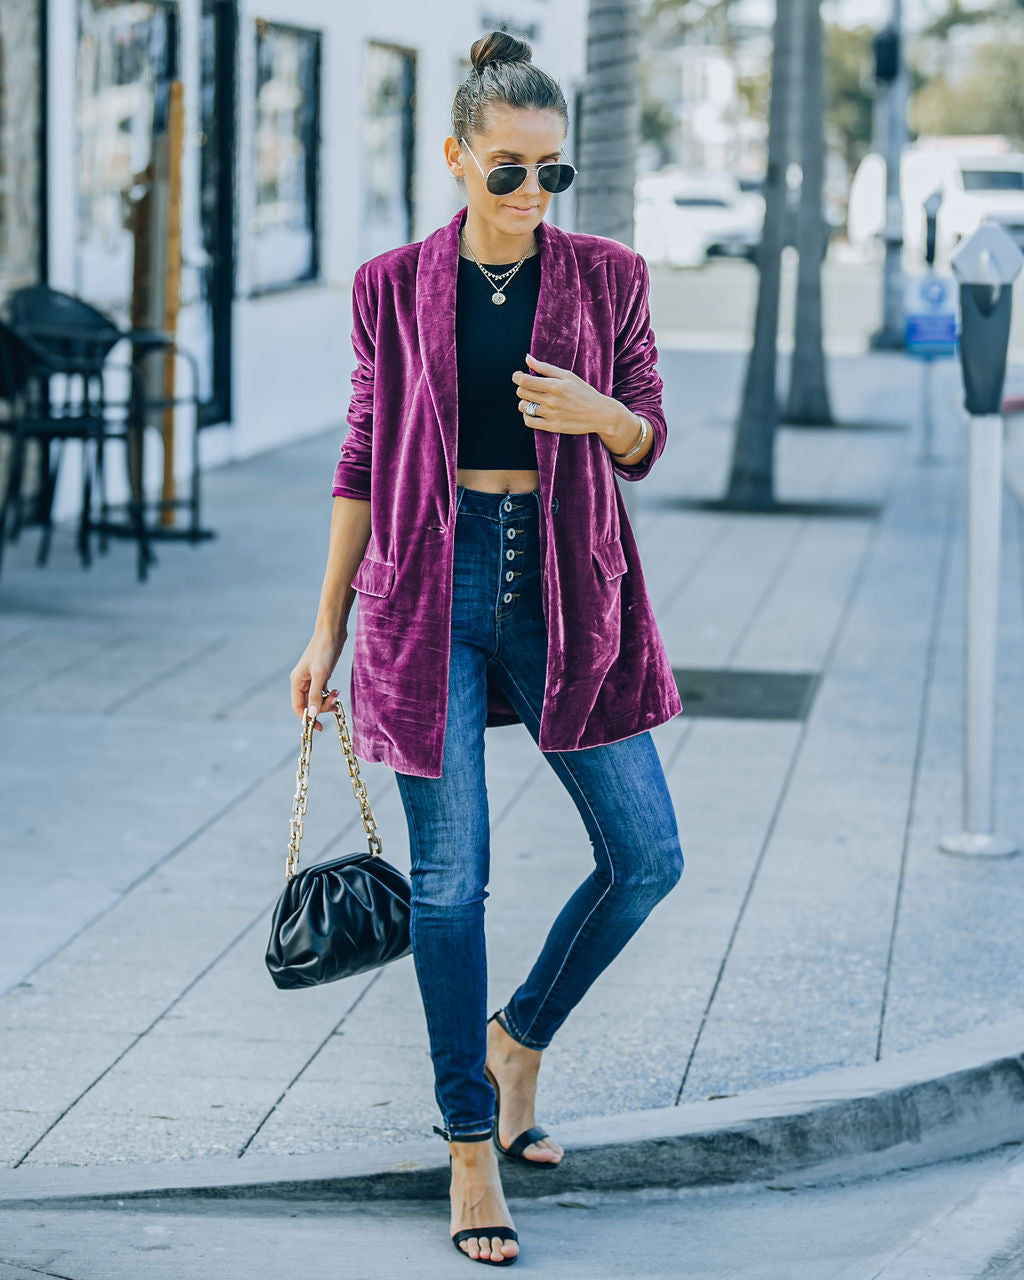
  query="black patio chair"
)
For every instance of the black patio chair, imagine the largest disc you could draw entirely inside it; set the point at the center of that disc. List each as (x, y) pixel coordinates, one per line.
(26, 370)
(74, 330)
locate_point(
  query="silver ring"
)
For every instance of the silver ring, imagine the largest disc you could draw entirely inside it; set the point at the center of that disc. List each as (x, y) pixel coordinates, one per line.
(531, 408)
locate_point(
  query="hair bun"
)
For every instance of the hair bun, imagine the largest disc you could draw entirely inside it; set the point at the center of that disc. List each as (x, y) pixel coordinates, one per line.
(496, 47)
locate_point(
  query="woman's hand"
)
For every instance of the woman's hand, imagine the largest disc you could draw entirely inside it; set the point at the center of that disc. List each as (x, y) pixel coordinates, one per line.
(310, 674)
(573, 407)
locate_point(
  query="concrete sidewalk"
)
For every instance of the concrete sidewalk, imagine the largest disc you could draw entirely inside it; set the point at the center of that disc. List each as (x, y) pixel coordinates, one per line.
(148, 765)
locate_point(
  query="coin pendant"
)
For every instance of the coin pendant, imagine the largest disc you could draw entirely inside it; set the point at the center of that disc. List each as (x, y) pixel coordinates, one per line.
(497, 298)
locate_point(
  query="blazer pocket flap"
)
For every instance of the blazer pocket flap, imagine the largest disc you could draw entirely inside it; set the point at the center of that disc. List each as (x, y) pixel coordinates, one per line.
(611, 558)
(374, 577)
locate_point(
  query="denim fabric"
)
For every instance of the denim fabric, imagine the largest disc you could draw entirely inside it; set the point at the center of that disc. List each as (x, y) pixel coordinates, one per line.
(498, 630)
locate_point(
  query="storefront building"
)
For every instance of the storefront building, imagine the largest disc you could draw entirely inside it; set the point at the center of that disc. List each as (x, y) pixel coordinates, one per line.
(313, 134)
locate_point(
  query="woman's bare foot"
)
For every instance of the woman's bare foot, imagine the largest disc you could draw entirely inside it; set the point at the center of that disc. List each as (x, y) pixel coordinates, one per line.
(478, 1200)
(515, 1068)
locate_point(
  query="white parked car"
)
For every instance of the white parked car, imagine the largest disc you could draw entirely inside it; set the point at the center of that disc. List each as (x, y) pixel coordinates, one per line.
(683, 219)
(978, 178)
(984, 187)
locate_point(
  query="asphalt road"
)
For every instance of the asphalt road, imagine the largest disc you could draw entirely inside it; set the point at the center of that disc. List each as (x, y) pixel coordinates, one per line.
(897, 1227)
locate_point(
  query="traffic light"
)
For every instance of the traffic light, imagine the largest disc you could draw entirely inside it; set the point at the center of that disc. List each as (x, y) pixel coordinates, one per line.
(887, 55)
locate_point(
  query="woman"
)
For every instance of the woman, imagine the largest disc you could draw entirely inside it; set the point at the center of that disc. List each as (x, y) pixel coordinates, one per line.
(477, 516)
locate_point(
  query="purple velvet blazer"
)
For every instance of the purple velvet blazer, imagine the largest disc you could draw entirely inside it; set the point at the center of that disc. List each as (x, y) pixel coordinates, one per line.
(608, 676)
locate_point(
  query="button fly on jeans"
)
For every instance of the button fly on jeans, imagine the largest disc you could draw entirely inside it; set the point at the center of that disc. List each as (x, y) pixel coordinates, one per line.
(507, 597)
(510, 555)
(507, 506)
(511, 533)
(509, 575)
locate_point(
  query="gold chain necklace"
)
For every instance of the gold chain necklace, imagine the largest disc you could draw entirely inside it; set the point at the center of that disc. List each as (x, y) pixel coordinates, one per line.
(497, 280)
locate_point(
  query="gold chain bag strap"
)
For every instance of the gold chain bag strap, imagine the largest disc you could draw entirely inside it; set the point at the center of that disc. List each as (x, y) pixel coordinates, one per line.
(341, 917)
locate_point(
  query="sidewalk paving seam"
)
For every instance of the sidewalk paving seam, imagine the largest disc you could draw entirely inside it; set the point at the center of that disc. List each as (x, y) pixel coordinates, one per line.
(146, 686)
(310, 1060)
(799, 532)
(855, 585)
(17, 641)
(713, 543)
(193, 982)
(279, 673)
(526, 785)
(938, 607)
(685, 735)
(802, 524)
(34, 1271)
(142, 1035)
(104, 646)
(143, 876)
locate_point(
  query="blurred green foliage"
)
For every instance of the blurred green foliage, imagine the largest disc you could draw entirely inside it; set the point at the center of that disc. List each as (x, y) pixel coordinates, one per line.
(849, 91)
(988, 99)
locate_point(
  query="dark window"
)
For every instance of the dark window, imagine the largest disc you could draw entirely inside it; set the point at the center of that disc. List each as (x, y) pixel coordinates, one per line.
(285, 223)
(215, 260)
(993, 179)
(127, 57)
(6, 165)
(389, 130)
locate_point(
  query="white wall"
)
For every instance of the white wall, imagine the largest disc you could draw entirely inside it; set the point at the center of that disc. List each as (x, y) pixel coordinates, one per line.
(292, 355)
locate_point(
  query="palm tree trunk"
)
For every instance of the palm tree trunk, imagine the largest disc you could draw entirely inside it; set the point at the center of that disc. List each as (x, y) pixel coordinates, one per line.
(751, 477)
(608, 121)
(808, 400)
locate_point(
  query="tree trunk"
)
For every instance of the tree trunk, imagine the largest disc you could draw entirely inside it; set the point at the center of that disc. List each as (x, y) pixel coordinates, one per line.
(608, 121)
(751, 477)
(808, 400)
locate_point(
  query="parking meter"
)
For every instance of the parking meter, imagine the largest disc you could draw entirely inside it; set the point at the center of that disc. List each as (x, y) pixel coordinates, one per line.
(986, 265)
(930, 329)
(984, 337)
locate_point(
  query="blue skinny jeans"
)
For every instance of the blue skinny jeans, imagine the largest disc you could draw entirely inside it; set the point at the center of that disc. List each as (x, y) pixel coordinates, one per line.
(620, 791)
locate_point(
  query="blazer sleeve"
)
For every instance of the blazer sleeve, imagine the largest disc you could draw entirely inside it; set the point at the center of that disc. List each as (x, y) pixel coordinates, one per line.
(635, 378)
(352, 473)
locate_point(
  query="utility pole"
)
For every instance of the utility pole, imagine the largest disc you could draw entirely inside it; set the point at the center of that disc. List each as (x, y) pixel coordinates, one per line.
(891, 73)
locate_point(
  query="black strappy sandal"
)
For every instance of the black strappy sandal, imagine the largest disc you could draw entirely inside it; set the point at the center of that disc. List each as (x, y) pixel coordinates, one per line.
(489, 1233)
(518, 1145)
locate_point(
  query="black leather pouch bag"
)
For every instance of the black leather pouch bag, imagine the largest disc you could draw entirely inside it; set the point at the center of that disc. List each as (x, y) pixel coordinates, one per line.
(341, 917)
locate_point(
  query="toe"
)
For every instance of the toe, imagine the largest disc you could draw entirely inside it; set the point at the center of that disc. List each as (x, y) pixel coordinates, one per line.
(543, 1152)
(500, 1247)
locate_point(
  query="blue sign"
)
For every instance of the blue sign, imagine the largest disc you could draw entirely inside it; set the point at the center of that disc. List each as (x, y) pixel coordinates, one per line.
(930, 306)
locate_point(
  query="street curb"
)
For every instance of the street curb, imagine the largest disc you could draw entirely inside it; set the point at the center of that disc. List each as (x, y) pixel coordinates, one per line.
(946, 1099)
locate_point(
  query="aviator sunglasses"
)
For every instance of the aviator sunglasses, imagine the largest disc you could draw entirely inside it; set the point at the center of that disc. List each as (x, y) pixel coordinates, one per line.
(503, 179)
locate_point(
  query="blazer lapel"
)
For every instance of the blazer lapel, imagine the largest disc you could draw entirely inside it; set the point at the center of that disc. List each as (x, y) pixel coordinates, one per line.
(436, 278)
(556, 327)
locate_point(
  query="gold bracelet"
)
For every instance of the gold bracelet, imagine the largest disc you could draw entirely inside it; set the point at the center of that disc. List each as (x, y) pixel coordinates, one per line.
(624, 457)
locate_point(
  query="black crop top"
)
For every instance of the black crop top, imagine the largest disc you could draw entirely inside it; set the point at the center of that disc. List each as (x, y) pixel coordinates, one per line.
(491, 342)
